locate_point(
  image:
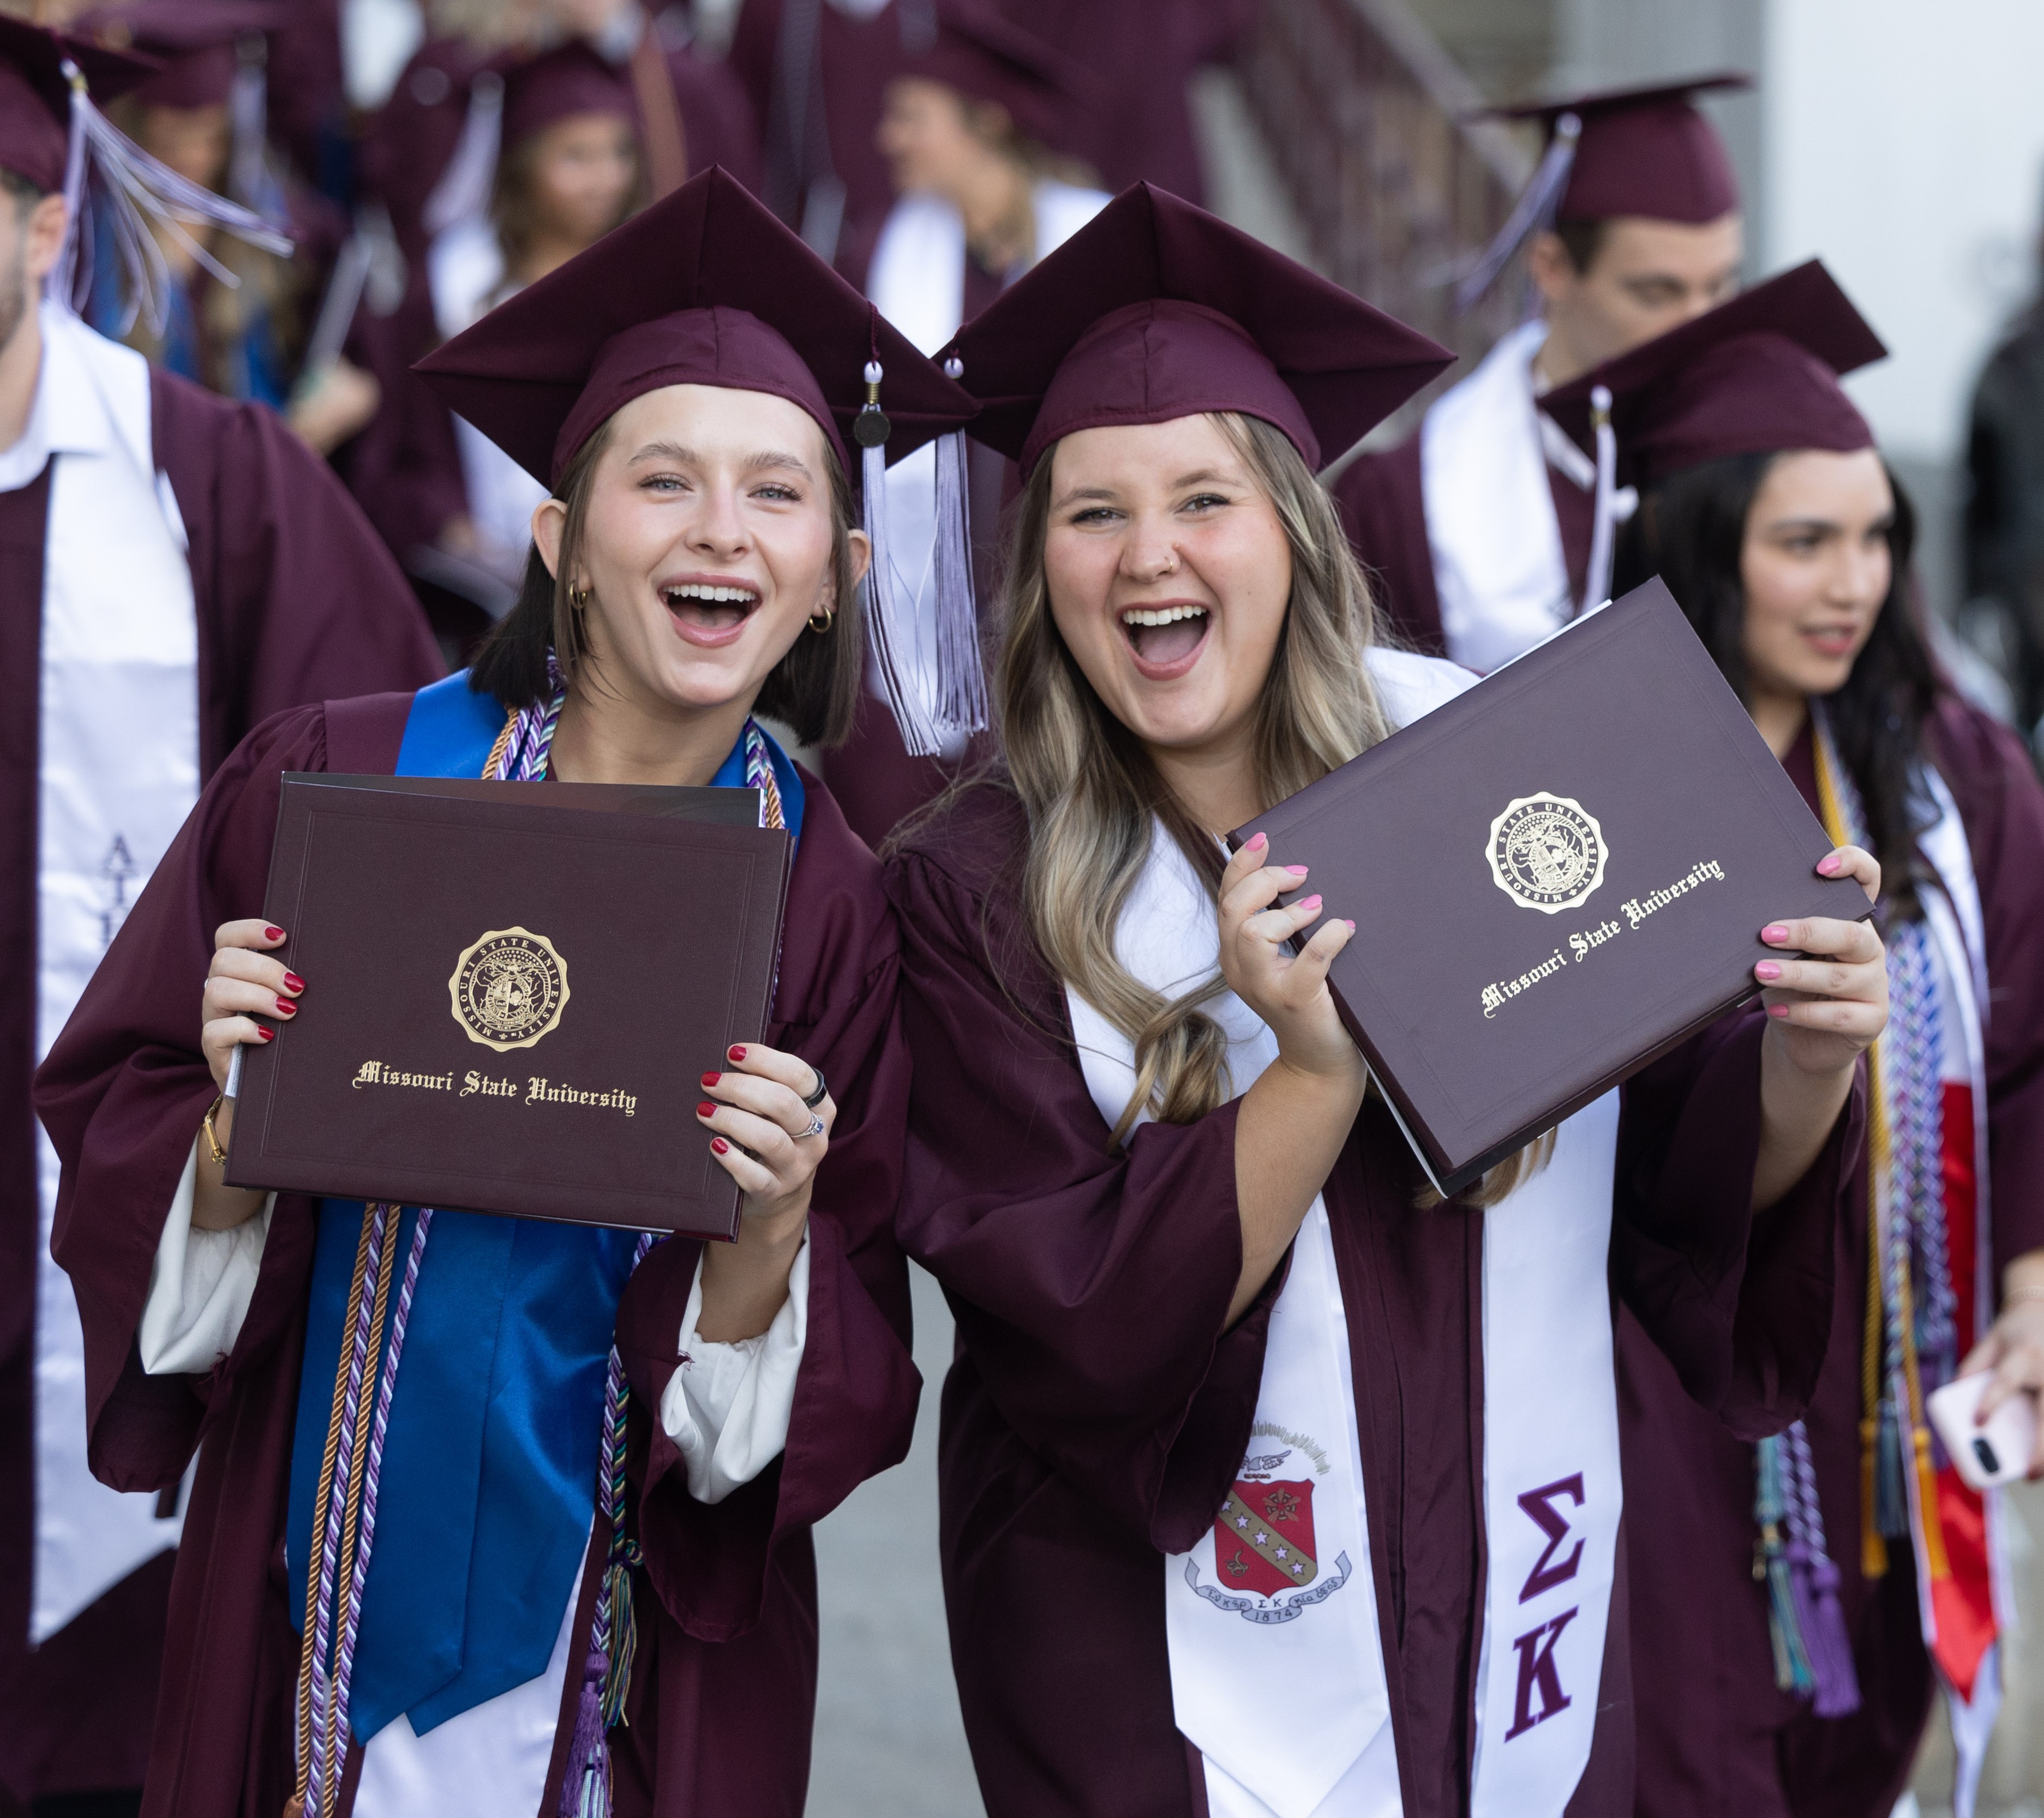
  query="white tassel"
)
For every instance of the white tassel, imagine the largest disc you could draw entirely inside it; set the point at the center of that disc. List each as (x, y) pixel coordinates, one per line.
(1596, 587)
(890, 618)
(463, 193)
(1535, 210)
(136, 188)
(250, 179)
(960, 708)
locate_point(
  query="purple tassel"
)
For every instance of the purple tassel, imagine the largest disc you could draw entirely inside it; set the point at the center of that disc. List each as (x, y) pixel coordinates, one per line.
(586, 1779)
(1813, 1583)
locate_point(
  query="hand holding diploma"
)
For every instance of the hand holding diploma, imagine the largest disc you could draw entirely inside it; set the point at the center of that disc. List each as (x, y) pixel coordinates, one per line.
(246, 981)
(1824, 1011)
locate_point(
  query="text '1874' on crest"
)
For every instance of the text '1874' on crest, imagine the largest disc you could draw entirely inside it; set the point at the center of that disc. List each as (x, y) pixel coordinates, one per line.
(1546, 852)
(509, 989)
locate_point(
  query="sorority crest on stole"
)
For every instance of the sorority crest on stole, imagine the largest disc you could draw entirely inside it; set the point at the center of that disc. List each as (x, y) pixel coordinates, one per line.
(1264, 1550)
(1546, 852)
(509, 989)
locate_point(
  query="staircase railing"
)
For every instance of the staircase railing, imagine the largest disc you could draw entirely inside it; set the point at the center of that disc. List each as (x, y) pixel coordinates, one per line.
(1368, 120)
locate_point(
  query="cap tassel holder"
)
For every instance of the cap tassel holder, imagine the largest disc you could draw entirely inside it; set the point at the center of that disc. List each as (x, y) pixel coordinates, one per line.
(463, 193)
(1533, 212)
(1596, 587)
(137, 189)
(961, 703)
(890, 623)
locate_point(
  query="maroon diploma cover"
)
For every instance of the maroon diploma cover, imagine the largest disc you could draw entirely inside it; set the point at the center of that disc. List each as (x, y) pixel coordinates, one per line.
(1555, 878)
(513, 990)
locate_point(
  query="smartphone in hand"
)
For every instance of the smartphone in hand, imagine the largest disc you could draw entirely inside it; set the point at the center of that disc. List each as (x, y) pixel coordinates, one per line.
(1997, 1453)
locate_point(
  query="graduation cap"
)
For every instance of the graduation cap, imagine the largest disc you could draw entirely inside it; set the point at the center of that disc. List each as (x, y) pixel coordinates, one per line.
(988, 57)
(570, 78)
(1616, 151)
(198, 42)
(1757, 375)
(1155, 310)
(35, 94)
(705, 287)
(50, 131)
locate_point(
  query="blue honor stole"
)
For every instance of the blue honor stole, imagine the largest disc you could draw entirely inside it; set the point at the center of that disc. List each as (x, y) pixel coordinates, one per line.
(488, 1480)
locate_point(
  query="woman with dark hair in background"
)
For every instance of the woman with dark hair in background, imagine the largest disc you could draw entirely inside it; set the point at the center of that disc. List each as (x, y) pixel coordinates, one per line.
(1255, 1460)
(1822, 1587)
(596, 1424)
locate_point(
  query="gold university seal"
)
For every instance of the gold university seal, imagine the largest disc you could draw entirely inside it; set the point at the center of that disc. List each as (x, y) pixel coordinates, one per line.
(509, 990)
(1546, 852)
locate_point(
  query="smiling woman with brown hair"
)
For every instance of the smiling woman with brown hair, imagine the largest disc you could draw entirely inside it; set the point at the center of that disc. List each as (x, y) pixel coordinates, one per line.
(1827, 1586)
(593, 1437)
(1246, 1443)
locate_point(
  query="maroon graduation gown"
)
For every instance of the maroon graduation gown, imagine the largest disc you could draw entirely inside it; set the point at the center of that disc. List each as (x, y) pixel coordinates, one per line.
(1100, 1408)
(1716, 1735)
(724, 1690)
(296, 599)
(1384, 513)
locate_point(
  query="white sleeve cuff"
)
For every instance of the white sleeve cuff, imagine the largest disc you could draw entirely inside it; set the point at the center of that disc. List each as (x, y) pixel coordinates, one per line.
(727, 1407)
(200, 1286)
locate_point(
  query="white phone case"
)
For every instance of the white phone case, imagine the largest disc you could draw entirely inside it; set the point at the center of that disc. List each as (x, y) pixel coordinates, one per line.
(1998, 1453)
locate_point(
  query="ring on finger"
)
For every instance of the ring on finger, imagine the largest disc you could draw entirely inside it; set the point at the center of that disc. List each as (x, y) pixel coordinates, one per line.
(811, 1100)
(815, 1127)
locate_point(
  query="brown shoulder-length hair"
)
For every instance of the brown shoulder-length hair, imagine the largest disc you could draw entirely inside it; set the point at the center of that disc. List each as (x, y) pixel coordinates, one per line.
(814, 689)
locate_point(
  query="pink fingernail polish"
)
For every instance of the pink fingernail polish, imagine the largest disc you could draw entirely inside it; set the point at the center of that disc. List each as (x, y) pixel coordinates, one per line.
(1256, 842)
(1775, 933)
(1296, 870)
(1777, 1010)
(1309, 904)
(1767, 969)
(1828, 863)
(1349, 925)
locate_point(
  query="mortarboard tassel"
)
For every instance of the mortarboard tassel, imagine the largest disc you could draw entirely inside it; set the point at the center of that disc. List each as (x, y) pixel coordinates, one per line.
(890, 623)
(1533, 211)
(463, 193)
(136, 188)
(250, 180)
(960, 707)
(1603, 536)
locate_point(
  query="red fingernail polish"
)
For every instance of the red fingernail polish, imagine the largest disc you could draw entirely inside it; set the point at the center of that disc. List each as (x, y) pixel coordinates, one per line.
(295, 981)
(273, 934)
(1776, 932)
(1308, 904)
(711, 1079)
(719, 1146)
(266, 1034)
(286, 1008)
(705, 1110)
(736, 1054)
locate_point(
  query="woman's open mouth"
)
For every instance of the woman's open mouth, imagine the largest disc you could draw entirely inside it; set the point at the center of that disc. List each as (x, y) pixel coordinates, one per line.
(1164, 641)
(709, 613)
(1832, 640)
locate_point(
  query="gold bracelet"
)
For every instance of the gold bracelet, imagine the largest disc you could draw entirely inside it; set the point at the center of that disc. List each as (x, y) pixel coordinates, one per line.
(212, 1141)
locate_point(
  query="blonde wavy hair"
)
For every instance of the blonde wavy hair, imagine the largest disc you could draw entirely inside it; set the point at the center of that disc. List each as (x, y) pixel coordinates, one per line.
(1091, 791)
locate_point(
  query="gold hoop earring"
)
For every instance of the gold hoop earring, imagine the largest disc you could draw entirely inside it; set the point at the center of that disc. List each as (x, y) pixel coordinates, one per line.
(578, 597)
(822, 622)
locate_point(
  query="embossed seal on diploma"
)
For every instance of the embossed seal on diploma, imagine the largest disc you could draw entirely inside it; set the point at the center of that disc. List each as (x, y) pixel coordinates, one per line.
(509, 989)
(1546, 852)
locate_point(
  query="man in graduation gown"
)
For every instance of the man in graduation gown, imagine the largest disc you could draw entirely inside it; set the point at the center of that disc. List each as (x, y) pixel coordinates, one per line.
(175, 568)
(1476, 529)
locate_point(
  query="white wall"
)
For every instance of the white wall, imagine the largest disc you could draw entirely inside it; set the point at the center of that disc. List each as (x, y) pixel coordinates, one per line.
(1904, 143)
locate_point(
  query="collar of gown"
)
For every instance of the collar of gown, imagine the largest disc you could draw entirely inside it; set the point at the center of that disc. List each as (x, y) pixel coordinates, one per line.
(70, 415)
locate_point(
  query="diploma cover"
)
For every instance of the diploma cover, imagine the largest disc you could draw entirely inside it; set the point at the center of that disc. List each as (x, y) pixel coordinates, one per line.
(512, 991)
(1555, 878)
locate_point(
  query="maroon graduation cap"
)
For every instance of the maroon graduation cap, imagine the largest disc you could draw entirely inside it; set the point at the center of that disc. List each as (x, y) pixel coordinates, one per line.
(569, 79)
(1611, 152)
(708, 287)
(1155, 310)
(198, 41)
(987, 57)
(35, 94)
(1757, 375)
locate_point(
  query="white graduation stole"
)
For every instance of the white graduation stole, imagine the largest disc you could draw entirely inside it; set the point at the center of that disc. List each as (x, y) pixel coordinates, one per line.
(118, 707)
(1499, 568)
(1271, 1623)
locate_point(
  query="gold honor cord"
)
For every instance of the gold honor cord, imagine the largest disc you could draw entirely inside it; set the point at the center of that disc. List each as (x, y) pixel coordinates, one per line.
(1873, 1547)
(491, 773)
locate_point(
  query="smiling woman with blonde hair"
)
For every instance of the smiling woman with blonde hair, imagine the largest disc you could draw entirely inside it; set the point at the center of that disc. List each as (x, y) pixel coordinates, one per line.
(591, 1589)
(1312, 1485)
